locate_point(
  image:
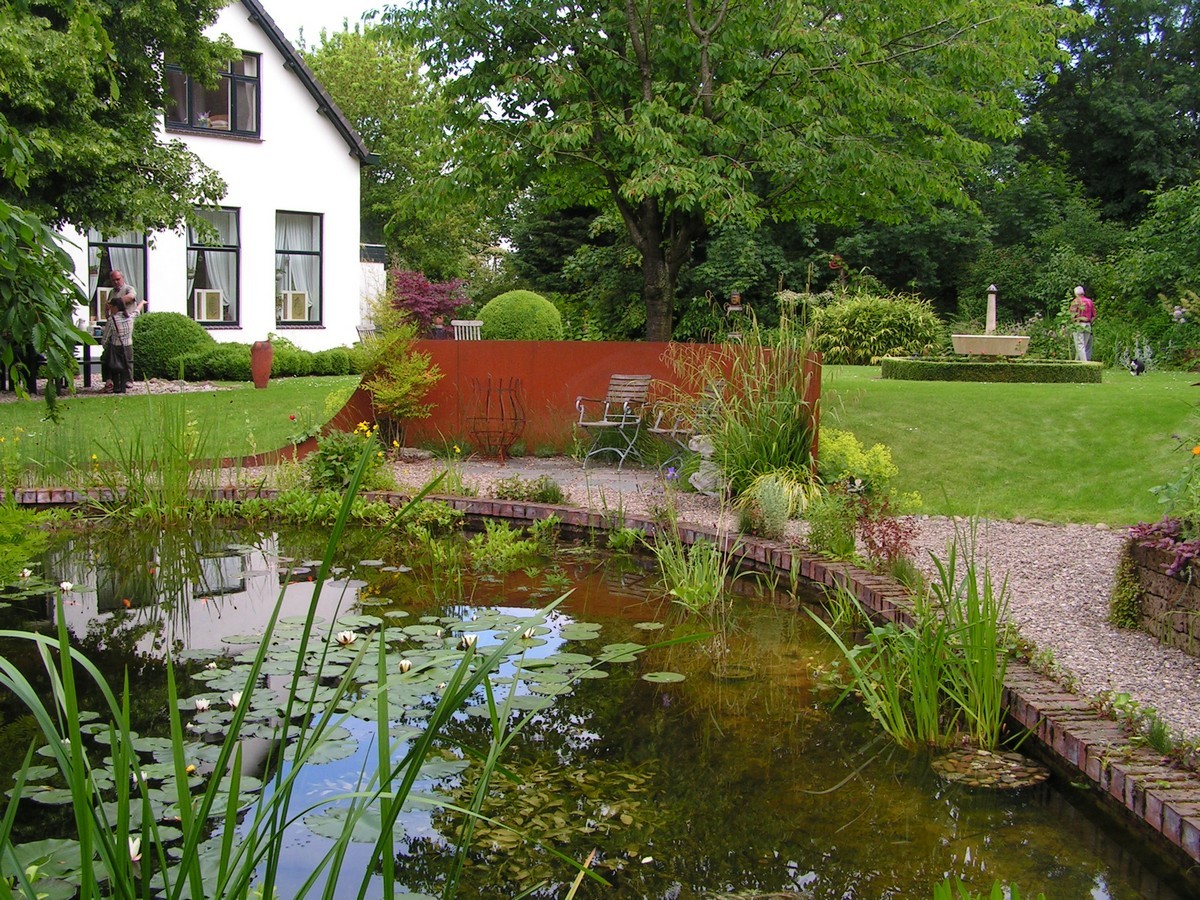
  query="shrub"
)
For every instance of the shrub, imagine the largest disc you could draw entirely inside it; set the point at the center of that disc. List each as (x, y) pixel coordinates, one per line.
(336, 361)
(1025, 371)
(543, 489)
(333, 464)
(220, 362)
(160, 338)
(289, 361)
(422, 299)
(521, 316)
(397, 377)
(861, 329)
(843, 460)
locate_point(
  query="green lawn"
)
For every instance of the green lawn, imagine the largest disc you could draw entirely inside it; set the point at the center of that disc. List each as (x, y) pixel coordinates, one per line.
(236, 422)
(1063, 452)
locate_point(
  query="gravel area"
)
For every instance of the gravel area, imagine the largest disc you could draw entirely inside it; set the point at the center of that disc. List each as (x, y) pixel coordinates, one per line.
(1059, 578)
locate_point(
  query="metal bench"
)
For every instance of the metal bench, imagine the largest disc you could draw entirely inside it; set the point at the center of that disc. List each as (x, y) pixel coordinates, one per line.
(621, 412)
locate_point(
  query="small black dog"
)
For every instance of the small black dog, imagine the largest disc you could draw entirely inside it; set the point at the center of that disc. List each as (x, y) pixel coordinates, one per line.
(1136, 367)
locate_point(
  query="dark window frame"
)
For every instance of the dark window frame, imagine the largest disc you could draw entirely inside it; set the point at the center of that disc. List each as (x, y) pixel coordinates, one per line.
(319, 253)
(194, 243)
(192, 120)
(100, 279)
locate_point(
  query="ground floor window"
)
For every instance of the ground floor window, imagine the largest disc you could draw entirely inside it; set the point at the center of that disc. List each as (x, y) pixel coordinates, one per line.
(297, 268)
(213, 267)
(126, 253)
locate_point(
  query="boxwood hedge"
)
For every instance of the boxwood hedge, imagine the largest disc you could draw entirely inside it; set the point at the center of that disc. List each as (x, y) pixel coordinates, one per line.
(1010, 371)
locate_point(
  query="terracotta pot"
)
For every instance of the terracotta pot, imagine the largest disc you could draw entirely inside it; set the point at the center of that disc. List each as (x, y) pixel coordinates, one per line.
(261, 356)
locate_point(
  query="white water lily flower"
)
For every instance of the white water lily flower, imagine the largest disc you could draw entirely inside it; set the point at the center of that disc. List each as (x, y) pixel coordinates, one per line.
(528, 634)
(235, 699)
(211, 665)
(202, 704)
(346, 638)
(135, 849)
(467, 641)
(66, 587)
(25, 573)
(405, 665)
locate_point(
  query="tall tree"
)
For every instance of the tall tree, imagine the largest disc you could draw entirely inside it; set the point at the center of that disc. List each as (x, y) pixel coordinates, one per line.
(83, 81)
(702, 111)
(1125, 106)
(376, 78)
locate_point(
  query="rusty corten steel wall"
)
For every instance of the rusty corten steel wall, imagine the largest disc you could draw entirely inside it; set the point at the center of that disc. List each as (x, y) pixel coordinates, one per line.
(553, 374)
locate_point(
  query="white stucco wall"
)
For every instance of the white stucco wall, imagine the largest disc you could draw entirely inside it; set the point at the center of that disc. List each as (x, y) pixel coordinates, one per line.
(301, 163)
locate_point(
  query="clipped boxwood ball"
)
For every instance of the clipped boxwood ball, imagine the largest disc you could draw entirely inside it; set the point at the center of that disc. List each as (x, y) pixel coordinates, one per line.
(161, 338)
(521, 316)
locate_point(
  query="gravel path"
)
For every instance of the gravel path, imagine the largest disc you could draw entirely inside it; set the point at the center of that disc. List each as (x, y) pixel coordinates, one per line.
(1059, 578)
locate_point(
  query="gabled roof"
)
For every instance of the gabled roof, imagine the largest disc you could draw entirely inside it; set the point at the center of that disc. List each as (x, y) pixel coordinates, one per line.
(295, 62)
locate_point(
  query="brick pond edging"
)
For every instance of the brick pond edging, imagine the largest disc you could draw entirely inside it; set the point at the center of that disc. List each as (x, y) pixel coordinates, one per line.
(1066, 732)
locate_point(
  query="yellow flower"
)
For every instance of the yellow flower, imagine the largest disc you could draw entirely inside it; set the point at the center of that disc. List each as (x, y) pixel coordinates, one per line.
(457, 449)
(1196, 450)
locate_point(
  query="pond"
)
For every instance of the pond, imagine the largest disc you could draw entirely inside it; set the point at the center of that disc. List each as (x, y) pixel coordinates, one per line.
(719, 764)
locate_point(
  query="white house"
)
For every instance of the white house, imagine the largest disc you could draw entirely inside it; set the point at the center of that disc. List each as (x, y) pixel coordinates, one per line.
(285, 256)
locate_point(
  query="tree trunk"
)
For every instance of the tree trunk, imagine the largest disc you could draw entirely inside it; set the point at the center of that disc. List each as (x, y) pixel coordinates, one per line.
(658, 294)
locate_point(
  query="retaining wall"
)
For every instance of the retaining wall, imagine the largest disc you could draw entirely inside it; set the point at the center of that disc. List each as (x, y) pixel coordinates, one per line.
(1170, 604)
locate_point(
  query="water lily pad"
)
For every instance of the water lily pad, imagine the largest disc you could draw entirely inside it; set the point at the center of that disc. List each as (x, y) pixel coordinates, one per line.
(579, 631)
(649, 626)
(363, 825)
(663, 677)
(626, 652)
(335, 744)
(242, 639)
(371, 563)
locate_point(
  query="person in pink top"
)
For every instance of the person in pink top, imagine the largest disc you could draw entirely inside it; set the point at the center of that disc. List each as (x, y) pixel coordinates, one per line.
(1083, 314)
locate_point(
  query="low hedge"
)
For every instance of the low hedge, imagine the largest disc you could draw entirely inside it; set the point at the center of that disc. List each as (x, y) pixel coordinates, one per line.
(1008, 371)
(221, 362)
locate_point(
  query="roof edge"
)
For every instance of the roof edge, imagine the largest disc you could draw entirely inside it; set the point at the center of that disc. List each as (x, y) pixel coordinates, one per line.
(295, 62)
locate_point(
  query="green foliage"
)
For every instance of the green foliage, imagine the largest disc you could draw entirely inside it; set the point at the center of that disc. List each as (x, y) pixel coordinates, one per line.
(86, 81)
(831, 519)
(220, 362)
(288, 360)
(37, 294)
(694, 574)
(501, 548)
(624, 539)
(337, 457)
(1125, 600)
(750, 402)
(844, 461)
(377, 79)
(1023, 371)
(773, 498)
(707, 136)
(953, 889)
(521, 316)
(21, 542)
(396, 376)
(334, 361)
(542, 489)
(861, 328)
(161, 338)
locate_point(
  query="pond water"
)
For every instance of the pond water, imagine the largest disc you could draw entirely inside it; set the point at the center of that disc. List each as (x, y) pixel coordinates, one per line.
(741, 777)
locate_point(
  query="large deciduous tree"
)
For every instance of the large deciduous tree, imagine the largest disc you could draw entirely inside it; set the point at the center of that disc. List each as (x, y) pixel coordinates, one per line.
(376, 78)
(83, 81)
(700, 111)
(1124, 108)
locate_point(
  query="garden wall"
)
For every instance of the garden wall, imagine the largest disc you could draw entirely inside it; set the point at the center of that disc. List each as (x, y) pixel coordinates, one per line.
(552, 373)
(1170, 605)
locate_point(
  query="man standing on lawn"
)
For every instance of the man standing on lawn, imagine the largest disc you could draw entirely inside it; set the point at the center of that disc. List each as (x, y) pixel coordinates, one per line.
(126, 296)
(1083, 314)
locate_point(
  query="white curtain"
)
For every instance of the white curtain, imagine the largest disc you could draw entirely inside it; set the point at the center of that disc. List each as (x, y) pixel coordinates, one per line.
(219, 263)
(299, 271)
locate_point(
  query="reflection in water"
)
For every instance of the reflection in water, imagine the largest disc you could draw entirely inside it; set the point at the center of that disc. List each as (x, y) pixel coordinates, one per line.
(734, 779)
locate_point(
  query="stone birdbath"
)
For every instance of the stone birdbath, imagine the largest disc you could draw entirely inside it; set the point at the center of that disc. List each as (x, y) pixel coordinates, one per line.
(989, 343)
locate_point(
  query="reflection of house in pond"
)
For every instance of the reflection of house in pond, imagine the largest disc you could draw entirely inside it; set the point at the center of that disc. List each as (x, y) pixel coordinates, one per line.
(183, 595)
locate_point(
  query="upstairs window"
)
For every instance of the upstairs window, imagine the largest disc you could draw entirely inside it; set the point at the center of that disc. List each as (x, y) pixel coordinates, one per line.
(231, 106)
